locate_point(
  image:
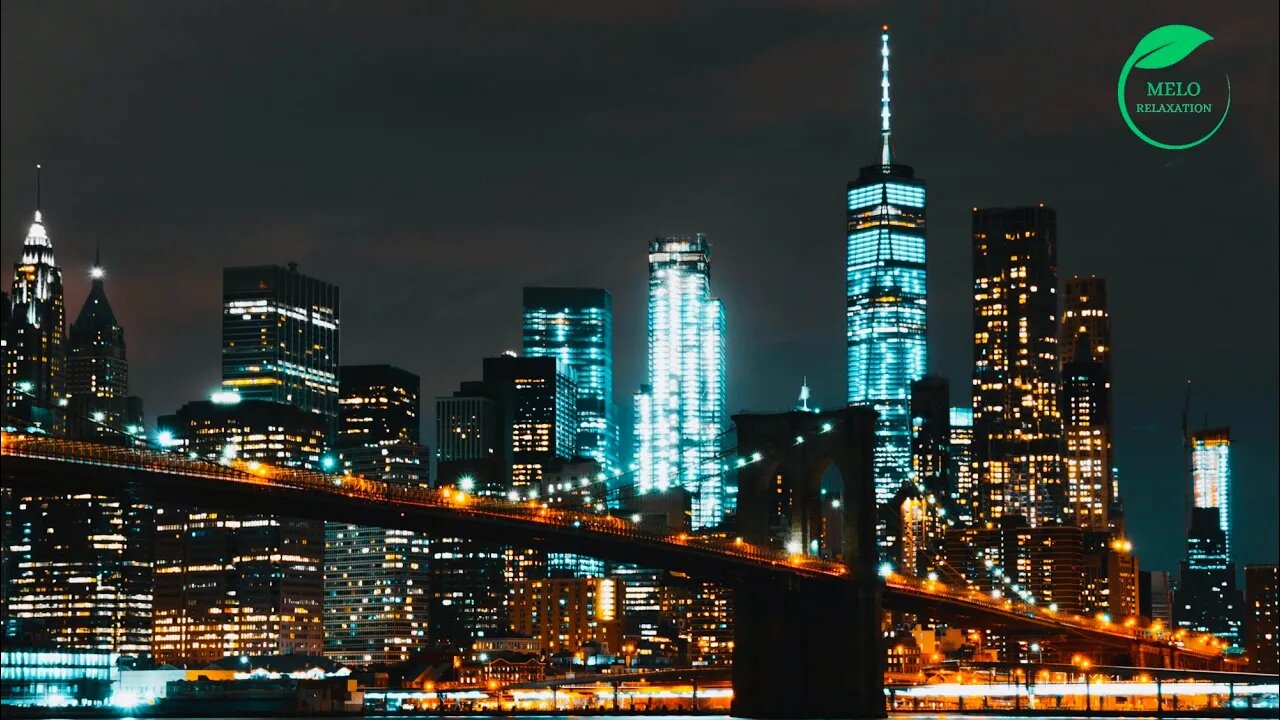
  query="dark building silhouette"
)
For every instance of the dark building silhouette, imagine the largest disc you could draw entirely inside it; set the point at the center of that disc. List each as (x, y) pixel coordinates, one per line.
(1207, 599)
(1262, 618)
(931, 435)
(100, 407)
(1155, 596)
(1017, 380)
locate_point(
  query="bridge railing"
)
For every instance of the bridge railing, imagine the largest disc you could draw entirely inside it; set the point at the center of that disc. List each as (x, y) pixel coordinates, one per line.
(356, 487)
(1129, 630)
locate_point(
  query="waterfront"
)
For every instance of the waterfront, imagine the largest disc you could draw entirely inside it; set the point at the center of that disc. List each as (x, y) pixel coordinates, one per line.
(1241, 714)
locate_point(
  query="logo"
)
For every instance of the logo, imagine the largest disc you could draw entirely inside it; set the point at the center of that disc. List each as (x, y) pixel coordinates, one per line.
(1165, 97)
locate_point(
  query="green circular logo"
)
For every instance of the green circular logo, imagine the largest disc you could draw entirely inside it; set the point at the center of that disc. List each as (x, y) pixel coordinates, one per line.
(1162, 48)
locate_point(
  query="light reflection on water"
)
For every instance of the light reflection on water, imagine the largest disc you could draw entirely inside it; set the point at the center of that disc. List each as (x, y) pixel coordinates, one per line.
(384, 716)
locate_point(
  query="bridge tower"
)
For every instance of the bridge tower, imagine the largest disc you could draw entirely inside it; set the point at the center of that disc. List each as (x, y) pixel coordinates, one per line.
(806, 648)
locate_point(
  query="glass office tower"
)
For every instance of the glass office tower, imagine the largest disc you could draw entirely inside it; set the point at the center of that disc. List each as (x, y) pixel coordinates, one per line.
(575, 326)
(681, 413)
(280, 338)
(885, 314)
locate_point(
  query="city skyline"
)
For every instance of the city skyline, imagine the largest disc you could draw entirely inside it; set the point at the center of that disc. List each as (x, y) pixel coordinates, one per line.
(753, 329)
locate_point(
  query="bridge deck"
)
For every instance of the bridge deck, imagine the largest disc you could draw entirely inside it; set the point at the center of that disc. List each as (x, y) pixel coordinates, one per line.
(240, 486)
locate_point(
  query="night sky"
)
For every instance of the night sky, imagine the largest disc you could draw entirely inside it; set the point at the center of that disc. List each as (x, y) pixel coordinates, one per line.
(432, 158)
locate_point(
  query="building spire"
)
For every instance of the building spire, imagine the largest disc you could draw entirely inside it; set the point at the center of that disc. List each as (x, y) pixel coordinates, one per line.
(37, 192)
(885, 154)
(96, 272)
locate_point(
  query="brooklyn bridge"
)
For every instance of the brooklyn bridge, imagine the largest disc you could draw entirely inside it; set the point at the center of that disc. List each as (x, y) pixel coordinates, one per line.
(841, 671)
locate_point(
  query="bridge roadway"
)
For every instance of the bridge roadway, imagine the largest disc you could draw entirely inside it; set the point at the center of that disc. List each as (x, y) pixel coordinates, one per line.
(239, 486)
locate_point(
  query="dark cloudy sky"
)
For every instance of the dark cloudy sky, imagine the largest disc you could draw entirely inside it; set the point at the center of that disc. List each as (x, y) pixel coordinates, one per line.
(433, 157)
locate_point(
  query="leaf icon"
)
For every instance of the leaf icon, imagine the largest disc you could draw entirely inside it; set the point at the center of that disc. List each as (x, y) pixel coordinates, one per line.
(1168, 45)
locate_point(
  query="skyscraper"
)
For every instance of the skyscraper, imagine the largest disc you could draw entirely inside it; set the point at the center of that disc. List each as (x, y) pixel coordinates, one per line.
(681, 412)
(1207, 599)
(575, 326)
(375, 579)
(97, 384)
(539, 420)
(885, 308)
(280, 333)
(35, 339)
(1017, 425)
(469, 439)
(1085, 344)
(379, 424)
(1211, 476)
(245, 584)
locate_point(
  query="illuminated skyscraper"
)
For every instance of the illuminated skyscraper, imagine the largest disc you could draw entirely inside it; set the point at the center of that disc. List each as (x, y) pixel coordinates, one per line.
(380, 423)
(375, 579)
(97, 383)
(681, 412)
(1017, 425)
(1211, 476)
(280, 338)
(1085, 343)
(35, 337)
(885, 313)
(575, 326)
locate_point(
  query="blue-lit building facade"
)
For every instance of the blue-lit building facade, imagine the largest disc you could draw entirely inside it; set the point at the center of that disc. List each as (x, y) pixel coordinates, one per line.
(575, 326)
(885, 310)
(681, 412)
